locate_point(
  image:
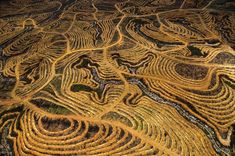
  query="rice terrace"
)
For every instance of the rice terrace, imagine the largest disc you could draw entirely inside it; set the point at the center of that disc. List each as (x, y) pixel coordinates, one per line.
(117, 77)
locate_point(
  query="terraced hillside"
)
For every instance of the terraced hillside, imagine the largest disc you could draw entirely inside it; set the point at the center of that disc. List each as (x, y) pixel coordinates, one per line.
(117, 77)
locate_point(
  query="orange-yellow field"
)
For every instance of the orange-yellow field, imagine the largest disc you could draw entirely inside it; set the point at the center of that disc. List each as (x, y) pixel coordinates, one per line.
(117, 77)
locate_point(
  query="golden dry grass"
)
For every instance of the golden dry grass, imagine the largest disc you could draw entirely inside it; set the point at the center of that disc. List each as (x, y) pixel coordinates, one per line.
(99, 77)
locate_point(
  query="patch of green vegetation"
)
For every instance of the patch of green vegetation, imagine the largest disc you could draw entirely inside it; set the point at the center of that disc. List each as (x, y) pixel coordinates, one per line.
(58, 110)
(80, 87)
(57, 82)
(51, 107)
